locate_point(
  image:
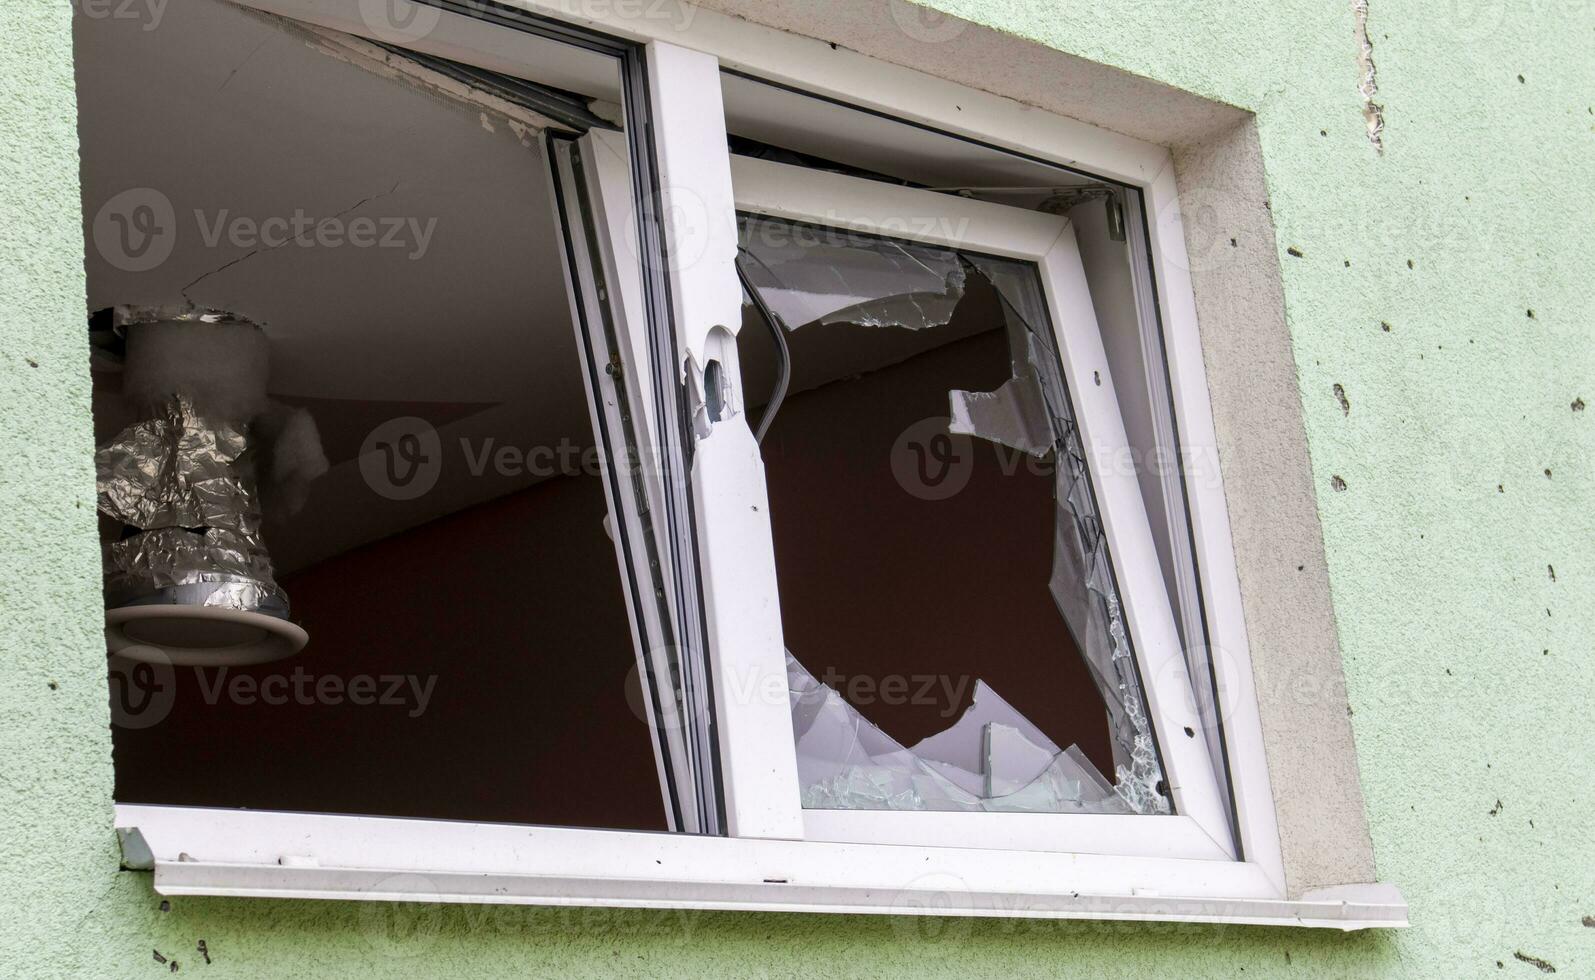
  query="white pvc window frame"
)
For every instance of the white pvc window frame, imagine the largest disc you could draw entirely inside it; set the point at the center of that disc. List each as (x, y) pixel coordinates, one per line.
(1047, 242)
(765, 862)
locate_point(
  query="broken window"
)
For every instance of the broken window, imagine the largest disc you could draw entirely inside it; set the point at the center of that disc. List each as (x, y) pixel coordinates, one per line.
(563, 495)
(948, 600)
(341, 394)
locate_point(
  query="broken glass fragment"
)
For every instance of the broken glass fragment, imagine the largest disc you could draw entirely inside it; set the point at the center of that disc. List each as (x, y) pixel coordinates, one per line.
(808, 274)
(846, 763)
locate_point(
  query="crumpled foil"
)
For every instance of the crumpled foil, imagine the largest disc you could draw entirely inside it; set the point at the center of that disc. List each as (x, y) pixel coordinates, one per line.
(184, 488)
(129, 315)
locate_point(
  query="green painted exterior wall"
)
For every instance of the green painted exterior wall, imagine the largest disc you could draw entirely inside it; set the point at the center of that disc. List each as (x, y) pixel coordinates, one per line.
(1467, 459)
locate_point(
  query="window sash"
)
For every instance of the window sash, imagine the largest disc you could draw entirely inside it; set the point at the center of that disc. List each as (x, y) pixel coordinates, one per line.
(854, 204)
(605, 305)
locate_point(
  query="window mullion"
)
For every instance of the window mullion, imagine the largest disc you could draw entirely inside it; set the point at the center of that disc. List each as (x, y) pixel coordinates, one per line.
(746, 652)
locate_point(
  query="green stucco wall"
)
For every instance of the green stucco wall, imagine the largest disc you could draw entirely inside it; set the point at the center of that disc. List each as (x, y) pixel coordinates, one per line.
(1469, 475)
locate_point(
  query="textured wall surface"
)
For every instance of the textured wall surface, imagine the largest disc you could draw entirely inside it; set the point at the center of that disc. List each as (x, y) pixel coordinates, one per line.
(1443, 285)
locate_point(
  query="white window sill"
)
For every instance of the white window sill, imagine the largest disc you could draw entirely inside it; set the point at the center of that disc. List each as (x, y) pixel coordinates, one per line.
(311, 856)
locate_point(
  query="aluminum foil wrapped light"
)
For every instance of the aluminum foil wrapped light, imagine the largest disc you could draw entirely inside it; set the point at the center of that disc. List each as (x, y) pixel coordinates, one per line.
(189, 579)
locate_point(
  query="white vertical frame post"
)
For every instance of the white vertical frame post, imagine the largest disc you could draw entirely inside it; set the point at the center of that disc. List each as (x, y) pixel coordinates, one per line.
(1256, 819)
(747, 653)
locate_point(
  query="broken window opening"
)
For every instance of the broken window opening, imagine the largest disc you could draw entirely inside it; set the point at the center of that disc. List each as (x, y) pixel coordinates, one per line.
(386, 222)
(869, 321)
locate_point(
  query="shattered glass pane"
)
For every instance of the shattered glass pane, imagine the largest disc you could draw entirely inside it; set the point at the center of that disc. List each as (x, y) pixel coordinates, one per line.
(946, 569)
(808, 275)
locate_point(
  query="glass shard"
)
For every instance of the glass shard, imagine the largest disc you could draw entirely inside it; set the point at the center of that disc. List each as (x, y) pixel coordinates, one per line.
(847, 763)
(993, 757)
(820, 275)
